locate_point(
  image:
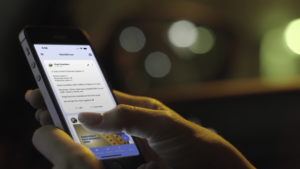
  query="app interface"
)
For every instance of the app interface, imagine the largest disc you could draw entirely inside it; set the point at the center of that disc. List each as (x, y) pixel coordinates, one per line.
(79, 86)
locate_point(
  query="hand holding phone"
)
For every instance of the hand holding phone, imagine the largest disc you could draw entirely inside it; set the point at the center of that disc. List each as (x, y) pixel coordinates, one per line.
(71, 81)
(177, 144)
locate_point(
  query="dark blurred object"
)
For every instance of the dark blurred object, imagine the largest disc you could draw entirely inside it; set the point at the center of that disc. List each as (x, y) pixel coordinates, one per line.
(18, 122)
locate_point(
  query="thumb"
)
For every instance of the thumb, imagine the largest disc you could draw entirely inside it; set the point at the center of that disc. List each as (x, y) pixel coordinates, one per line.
(61, 150)
(135, 121)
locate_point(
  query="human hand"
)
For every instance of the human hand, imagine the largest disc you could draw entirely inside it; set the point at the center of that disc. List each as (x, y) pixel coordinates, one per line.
(173, 141)
(51, 141)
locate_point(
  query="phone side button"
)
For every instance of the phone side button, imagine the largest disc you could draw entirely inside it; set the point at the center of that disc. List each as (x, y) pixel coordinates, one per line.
(28, 52)
(38, 77)
(32, 65)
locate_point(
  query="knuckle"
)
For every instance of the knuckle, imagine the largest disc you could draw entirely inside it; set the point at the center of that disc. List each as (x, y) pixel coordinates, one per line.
(153, 103)
(121, 107)
(123, 110)
(152, 100)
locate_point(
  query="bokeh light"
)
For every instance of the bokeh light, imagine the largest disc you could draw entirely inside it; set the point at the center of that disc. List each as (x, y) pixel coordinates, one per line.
(158, 64)
(132, 39)
(292, 36)
(204, 42)
(277, 64)
(182, 33)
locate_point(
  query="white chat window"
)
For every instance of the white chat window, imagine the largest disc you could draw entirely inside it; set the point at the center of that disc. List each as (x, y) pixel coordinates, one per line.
(79, 86)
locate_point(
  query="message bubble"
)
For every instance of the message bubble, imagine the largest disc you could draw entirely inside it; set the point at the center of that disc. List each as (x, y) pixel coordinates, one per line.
(79, 86)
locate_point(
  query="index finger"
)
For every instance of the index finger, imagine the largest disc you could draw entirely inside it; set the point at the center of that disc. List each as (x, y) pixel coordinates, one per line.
(139, 101)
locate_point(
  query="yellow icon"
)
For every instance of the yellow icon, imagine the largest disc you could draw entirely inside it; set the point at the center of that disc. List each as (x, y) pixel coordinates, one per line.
(82, 71)
(51, 71)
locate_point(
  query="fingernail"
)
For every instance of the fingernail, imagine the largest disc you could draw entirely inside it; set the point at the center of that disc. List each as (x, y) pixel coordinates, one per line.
(27, 94)
(38, 114)
(90, 118)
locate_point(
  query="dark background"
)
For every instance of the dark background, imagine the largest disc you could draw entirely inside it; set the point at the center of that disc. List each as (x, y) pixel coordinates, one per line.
(262, 122)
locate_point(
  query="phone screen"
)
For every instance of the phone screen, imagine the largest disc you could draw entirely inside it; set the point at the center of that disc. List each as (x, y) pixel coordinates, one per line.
(79, 86)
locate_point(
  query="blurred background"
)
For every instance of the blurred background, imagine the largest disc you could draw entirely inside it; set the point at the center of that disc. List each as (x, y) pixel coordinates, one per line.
(230, 66)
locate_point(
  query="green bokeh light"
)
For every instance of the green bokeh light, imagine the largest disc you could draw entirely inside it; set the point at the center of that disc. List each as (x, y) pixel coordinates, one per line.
(292, 36)
(205, 41)
(278, 66)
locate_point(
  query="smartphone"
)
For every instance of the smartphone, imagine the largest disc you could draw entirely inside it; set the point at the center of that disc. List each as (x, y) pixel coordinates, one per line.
(72, 81)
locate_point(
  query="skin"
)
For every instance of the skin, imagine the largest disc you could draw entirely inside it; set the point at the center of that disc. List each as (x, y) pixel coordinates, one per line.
(166, 139)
